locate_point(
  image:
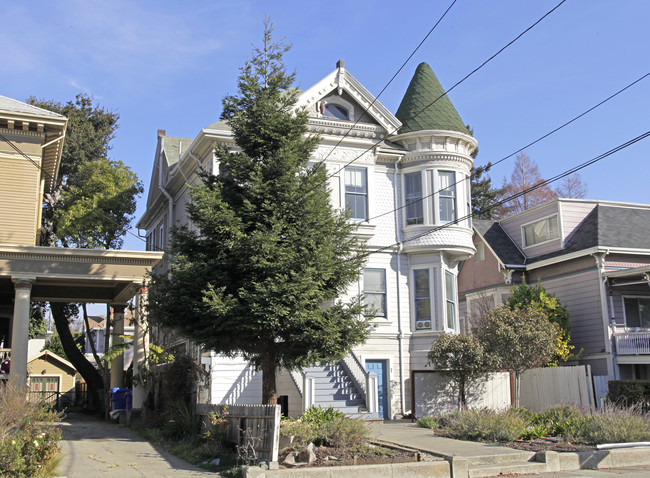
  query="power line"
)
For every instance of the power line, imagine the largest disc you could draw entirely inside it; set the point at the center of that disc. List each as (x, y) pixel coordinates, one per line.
(457, 83)
(523, 192)
(567, 123)
(387, 84)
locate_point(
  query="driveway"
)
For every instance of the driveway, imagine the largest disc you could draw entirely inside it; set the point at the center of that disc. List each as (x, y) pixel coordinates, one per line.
(93, 448)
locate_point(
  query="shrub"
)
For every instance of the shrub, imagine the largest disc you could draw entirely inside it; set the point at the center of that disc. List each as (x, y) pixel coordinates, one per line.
(28, 435)
(629, 392)
(616, 425)
(486, 425)
(325, 427)
(561, 421)
(215, 429)
(429, 422)
(181, 421)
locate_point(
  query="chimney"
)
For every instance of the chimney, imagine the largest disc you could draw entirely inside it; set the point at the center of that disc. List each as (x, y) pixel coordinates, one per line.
(340, 64)
(161, 133)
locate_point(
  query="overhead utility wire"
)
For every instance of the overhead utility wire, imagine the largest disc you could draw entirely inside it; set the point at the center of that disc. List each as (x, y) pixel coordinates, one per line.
(457, 83)
(19, 151)
(387, 84)
(521, 193)
(575, 118)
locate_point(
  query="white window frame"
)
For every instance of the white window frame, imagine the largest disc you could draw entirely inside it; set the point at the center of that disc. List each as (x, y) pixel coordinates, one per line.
(545, 218)
(421, 200)
(625, 313)
(432, 311)
(453, 301)
(366, 194)
(468, 194)
(337, 100)
(454, 197)
(384, 294)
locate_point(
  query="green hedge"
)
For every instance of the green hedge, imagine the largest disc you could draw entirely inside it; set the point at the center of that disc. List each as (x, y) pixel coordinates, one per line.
(629, 392)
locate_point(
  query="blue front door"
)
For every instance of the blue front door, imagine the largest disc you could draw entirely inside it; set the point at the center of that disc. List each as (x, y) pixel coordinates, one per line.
(380, 367)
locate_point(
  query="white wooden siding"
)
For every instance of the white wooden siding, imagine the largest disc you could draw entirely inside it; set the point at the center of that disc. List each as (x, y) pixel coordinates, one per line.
(233, 381)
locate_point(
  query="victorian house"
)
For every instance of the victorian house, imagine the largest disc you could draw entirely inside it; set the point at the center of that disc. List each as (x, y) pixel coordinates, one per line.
(405, 179)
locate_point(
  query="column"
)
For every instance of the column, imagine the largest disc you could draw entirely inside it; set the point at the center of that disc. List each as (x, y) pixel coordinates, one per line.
(117, 364)
(140, 347)
(20, 330)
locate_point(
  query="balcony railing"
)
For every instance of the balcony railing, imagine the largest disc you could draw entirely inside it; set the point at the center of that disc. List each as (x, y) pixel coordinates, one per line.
(633, 342)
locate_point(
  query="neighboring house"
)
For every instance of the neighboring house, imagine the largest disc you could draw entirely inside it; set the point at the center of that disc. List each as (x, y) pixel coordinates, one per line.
(593, 255)
(31, 142)
(52, 378)
(97, 334)
(385, 170)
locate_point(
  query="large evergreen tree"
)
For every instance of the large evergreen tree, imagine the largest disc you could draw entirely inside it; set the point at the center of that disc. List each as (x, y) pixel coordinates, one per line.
(263, 275)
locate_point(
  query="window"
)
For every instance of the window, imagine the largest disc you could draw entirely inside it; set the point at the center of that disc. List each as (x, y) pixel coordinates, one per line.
(447, 196)
(450, 296)
(374, 290)
(356, 192)
(332, 110)
(422, 299)
(637, 312)
(161, 237)
(540, 231)
(480, 252)
(413, 196)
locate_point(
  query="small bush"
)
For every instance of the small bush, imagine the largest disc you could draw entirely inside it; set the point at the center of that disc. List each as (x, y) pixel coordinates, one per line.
(28, 435)
(215, 430)
(181, 421)
(321, 415)
(429, 422)
(343, 432)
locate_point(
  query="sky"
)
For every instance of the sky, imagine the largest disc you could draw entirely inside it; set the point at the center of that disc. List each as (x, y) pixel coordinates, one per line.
(167, 64)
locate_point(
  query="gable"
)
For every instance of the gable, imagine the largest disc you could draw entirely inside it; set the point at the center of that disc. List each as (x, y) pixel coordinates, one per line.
(341, 87)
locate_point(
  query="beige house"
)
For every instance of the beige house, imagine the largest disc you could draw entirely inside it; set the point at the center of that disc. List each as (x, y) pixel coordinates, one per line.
(31, 142)
(51, 377)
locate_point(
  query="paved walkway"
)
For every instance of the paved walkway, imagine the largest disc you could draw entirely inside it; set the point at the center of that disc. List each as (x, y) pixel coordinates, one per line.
(94, 448)
(423, 439)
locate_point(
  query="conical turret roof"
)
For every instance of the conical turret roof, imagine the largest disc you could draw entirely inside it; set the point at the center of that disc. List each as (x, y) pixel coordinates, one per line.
(416, 111)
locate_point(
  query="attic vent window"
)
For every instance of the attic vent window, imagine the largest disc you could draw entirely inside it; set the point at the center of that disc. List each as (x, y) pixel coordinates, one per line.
(332, 110)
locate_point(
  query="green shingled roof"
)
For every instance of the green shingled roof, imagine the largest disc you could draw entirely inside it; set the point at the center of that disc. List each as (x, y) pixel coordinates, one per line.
(174, 147)
(415, 113)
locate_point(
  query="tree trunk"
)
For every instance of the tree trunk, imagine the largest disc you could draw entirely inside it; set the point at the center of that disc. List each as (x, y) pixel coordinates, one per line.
(84, 367)
(269, 392)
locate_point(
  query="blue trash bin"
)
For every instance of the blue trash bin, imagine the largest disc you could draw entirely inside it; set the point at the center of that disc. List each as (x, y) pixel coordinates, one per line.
(118, 398)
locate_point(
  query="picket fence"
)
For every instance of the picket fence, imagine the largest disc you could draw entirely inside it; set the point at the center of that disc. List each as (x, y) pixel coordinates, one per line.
(256, 426)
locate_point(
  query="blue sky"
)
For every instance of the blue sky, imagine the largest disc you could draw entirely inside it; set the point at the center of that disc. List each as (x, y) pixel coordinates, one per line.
(167, 64)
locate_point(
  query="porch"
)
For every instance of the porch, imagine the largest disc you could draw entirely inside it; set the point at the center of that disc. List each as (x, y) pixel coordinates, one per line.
(632, 341)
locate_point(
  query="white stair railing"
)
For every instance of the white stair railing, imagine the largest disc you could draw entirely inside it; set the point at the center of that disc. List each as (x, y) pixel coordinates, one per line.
(366, 382)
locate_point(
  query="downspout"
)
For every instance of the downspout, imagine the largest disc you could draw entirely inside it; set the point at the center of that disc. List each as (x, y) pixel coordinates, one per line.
(611, 360)
(400, 333)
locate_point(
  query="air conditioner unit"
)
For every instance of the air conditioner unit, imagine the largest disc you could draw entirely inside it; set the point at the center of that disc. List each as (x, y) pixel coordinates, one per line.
(423, 324)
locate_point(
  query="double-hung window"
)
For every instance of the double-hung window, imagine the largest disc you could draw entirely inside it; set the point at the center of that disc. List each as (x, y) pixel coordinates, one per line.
(413, 196)
(450, 296)
(541, 231)
(422, 297)
(356, 192)
(468, 197)
(637, 312)
(374, 290)
(447, 195)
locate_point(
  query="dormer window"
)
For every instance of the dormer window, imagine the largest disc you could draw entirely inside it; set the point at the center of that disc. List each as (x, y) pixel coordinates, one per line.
(332, 110)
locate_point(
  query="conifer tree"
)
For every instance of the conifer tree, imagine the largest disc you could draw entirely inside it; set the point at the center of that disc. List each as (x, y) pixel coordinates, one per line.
(263, 274)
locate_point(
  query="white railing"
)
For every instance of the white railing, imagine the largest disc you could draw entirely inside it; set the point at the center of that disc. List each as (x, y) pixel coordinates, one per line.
(297, 380)
(366, 382)
(4, 354)
(633, 342)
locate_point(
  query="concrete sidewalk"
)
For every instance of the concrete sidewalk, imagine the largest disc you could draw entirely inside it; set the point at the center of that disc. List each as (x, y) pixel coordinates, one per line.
(422, 439)
(92, 447)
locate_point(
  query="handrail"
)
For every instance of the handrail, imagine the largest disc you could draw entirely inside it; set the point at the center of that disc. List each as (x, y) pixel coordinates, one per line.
(633, 342)
(297, 378)
(357, 373)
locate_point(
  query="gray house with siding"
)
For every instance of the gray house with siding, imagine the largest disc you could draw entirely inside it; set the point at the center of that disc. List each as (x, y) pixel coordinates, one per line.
(594, 256)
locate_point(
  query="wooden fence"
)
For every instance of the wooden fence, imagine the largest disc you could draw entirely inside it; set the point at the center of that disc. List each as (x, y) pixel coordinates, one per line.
(544, 387)
(249, 427)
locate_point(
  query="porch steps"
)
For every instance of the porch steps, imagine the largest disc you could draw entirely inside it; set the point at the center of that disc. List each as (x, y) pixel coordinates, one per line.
(508, 464)
(334, 388)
